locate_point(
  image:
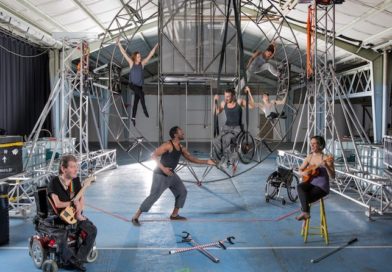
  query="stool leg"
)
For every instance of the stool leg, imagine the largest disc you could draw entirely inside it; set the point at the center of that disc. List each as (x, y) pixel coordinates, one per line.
(324, 226)
(306, 230)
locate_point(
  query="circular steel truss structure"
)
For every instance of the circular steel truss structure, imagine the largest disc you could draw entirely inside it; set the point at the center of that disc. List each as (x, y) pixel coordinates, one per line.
(266, 25)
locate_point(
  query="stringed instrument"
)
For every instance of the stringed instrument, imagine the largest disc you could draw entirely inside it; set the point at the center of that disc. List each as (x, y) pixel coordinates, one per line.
(68, 214)
(312, 170)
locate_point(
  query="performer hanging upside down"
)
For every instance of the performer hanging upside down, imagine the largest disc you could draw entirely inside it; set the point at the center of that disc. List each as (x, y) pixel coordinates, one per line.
(232, 128)
(136, 80)
(315, 183)
(258, 63)
(164, 176)
(267, 106)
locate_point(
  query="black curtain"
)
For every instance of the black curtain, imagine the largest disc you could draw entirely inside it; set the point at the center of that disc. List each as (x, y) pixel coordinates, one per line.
(24, 85)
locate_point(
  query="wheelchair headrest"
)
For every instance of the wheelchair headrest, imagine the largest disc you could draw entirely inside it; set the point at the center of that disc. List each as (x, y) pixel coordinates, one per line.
(40, 196)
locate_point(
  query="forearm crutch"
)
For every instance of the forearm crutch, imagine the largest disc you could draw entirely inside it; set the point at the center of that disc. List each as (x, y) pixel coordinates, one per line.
(217, 243)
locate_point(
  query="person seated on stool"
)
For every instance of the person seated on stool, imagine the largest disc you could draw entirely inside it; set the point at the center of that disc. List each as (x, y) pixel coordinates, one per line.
(61, 190)
(317, 186)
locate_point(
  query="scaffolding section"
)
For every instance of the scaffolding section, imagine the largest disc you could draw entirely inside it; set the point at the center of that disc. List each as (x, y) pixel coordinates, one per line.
(355, 179)
(70, 99)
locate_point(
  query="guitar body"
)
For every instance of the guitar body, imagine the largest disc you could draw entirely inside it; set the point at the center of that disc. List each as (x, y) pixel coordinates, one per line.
(68, 215)
(310, 172)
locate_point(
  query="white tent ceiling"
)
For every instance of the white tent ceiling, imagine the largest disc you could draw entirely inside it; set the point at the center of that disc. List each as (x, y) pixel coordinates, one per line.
(367, 22)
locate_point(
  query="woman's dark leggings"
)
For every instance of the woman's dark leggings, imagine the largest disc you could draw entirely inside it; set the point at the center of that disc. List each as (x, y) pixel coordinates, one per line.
(139, 95)
(308, 193)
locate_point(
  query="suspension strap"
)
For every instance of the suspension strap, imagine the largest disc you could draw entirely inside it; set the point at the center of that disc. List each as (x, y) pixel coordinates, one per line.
(242, 61)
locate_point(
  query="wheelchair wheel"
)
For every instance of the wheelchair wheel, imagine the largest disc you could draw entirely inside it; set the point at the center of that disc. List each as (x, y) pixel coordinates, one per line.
(270, 189)
(50, 266)
(38, 253)
(292, 188)
(246, 147)
(93, 255)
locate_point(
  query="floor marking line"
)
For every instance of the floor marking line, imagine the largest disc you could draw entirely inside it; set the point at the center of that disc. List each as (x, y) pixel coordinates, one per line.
(280, 218)
(231, 248)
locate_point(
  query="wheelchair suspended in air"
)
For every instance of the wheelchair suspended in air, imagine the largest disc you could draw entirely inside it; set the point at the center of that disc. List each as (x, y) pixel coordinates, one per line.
(279, 180)
(243, 144)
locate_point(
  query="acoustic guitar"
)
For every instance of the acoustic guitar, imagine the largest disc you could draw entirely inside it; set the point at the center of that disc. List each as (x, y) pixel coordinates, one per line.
(68, 214)
(313, 170)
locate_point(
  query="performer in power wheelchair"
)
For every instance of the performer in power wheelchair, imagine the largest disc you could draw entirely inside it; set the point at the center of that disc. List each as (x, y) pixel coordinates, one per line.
(57, 243)
(233, 142)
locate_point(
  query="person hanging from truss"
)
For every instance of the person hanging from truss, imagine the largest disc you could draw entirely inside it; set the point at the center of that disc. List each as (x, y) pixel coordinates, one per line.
(316, 170)
(136, 80)
(233, 126)
(259, 62)
(164, 176)
(268, 106)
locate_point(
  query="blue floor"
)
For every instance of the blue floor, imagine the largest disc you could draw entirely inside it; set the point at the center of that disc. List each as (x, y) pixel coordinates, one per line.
(267, 236)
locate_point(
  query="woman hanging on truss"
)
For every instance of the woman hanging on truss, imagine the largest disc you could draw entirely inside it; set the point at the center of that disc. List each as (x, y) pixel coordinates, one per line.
(136, 80)
(258, 63)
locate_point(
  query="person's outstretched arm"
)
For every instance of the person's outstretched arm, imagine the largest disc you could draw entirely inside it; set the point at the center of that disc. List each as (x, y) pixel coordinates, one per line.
(123, 52)
(252, 58)
(218, 106)
(281, 102)
(242, 102)
(152, 52)
(190, 158)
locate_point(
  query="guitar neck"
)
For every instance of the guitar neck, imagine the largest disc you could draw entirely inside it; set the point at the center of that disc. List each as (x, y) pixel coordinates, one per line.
(86, 183)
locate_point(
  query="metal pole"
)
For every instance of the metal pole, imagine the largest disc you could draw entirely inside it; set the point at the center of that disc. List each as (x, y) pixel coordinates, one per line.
(384, 94)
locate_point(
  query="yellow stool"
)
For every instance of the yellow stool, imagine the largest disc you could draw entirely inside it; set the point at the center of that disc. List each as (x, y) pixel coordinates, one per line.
(323, 228)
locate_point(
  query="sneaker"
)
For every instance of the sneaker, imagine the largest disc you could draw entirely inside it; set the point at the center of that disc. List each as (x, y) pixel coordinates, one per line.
(177, 217)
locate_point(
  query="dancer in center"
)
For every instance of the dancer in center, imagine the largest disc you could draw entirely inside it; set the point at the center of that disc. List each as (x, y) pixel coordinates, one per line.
(164, 176)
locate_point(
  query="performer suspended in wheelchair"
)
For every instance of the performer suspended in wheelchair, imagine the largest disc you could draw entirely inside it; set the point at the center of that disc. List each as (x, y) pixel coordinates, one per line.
(56, 242)
(233, 138)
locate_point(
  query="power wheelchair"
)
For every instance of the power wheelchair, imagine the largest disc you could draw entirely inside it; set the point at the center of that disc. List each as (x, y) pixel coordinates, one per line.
(44, 246)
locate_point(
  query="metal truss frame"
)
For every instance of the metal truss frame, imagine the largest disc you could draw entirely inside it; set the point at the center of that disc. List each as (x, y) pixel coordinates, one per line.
(324, 89)
(73, 93)
(368, 190)
(357, 82)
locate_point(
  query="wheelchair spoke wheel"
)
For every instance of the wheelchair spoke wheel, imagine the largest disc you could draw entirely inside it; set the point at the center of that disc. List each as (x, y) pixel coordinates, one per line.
(270, 189)
(292, 188)
(246, 147)
(38, 253)
(93, 255)
(50, 266)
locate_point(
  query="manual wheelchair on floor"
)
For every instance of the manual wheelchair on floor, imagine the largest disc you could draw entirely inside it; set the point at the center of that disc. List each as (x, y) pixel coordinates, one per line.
(282, 178)
(43, 246)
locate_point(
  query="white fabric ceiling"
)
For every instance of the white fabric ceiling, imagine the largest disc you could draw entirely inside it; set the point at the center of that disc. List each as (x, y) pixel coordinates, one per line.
(368, 21)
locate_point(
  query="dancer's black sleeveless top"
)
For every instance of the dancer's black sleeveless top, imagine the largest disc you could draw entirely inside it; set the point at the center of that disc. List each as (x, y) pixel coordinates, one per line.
(170, 159)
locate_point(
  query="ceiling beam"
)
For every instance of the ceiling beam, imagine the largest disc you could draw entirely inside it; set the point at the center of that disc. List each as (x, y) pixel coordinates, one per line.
(375, 36)
(89, 14)
(32, 7)
(15, 14)
(379, 8)
(366, 54)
